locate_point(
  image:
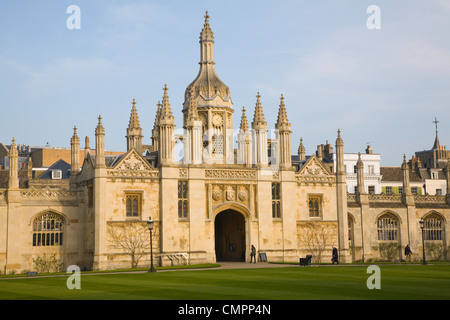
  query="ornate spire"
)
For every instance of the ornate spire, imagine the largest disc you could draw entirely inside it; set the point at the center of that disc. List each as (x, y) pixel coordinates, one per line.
(134, 118)
(437, 144)
(75, 138)
(13, 150)
(282, 114)
(166, 111)
(192, 111)
(339, 141)
(207, 85)
(75, 151)
(301, 151)
(157, 116)
(206, 33)
(244, 122)
(258, 117)
(100, 129)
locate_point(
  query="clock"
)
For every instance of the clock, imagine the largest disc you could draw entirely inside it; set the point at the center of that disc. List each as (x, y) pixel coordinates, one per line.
(217, 120)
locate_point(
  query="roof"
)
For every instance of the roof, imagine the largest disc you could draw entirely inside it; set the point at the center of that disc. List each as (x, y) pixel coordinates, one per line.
(396, 174)
(58, 165)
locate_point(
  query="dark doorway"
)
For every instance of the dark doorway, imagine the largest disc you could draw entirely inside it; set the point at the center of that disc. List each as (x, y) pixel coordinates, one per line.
(230, 236)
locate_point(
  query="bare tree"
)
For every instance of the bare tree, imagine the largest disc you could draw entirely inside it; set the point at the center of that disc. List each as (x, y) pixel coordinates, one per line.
(316, 237)
(132, 237)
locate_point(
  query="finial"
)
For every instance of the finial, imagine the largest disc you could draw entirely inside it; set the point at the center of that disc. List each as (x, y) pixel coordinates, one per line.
(74, 130)
(206, 16)
(134, 102)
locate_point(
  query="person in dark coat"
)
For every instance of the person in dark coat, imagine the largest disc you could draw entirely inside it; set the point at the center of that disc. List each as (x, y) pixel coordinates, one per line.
(408, 253)
(253, 254)
(335, 257)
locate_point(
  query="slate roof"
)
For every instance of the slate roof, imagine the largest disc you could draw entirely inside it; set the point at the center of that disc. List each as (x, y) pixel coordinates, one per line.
(58, 165)
(395, 174)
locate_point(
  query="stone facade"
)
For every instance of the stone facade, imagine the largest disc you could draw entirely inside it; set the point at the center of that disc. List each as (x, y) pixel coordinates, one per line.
(214, 204)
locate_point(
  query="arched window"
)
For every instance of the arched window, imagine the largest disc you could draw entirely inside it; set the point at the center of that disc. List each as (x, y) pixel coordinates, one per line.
(387, 228)
(433, 228)
(48, 230)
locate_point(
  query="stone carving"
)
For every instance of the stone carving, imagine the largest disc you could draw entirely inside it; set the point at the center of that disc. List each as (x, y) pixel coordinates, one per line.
(242, 195)
(230, 193)
(216, 194)
(132, 162)
(183, 173)
(48, 193)
(231, 174)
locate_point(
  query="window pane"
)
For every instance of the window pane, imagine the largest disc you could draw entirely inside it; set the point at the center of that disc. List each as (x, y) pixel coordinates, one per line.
(128, 207)
(135, 207)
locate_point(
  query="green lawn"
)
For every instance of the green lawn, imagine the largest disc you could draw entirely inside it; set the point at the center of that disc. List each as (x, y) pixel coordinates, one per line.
(398, 282)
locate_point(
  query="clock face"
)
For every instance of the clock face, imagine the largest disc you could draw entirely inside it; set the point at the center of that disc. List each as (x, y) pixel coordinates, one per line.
(217, 120)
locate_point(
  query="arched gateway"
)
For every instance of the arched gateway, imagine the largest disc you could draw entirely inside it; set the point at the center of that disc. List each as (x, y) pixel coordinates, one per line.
(230, 242)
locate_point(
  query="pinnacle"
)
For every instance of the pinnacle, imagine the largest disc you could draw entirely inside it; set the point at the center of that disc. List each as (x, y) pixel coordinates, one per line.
(244, 123)
(134, 118)
(99, 125)
(158, 115)
(206, 33)
(282, 114)
(166, 111)
(258, 117)
(192, 111)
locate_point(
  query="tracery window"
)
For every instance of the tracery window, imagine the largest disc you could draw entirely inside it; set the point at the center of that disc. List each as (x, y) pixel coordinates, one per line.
(433, 228)
(133, 204)
(387, 228)
(315, 205)
(48, 230)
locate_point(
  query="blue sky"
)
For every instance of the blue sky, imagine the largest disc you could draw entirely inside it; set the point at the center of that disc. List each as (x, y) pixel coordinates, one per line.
(382, 87)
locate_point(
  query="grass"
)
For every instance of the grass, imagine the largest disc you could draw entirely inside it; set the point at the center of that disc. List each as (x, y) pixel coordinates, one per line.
(398, 282)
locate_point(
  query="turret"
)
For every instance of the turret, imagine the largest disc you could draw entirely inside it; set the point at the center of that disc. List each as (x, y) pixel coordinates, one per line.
(99, 144)
(13, 178)
(75, 152)
(284, 136)
(166, 131)
(259, 126)
(244, 142)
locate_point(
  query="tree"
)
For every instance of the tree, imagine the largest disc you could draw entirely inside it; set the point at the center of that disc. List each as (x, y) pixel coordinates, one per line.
(316, 237)
(132, 237)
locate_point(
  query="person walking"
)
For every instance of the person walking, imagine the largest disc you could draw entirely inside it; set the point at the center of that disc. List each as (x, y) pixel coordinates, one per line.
(408, 253)
(253, 254)
(335, 257)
